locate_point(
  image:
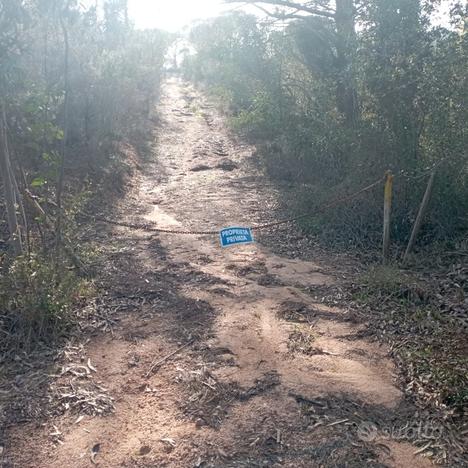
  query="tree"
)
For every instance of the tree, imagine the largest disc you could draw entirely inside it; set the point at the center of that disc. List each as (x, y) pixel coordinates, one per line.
(76, 91)
(12, 17)
(9, 185)
(342, 14)
(284, 83)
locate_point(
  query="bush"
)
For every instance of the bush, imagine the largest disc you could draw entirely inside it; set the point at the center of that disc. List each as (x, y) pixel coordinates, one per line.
(36, 301)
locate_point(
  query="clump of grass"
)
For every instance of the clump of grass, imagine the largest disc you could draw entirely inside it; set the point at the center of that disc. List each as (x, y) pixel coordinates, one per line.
(388, 282)
(36, 298)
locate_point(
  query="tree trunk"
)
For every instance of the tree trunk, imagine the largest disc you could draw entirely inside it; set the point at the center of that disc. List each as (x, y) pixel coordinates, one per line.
(9, 188)
(63, 152)
(347, 100)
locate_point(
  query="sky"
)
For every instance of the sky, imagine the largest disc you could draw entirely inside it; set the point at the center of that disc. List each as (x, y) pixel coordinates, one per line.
(173, 15)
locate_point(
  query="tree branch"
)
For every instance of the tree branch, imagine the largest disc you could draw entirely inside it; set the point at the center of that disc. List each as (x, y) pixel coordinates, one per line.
(306, 8)
(279, 16)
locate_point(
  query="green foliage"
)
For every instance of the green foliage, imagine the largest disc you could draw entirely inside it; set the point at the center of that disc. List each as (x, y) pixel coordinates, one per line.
(260, 120)
(385, 281)
(113, 73)
(110, 80)
(36, 300)
(285, 86)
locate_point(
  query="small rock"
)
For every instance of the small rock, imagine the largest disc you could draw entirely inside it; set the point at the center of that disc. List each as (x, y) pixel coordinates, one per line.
(144, 450)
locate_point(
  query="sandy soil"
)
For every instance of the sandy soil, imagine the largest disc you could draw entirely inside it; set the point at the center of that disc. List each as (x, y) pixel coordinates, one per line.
(268, 375)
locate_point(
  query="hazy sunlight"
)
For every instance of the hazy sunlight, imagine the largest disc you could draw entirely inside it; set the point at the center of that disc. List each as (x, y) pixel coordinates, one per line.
(174, 15)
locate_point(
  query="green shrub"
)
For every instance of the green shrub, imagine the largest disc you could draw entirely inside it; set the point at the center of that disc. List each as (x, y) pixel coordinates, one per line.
(36, 300)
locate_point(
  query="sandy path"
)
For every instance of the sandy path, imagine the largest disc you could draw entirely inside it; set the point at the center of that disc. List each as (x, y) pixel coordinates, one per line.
(270, 376)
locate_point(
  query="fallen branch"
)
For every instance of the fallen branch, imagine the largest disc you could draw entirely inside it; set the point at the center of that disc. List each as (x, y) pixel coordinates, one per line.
(164, 359)
(37, 208)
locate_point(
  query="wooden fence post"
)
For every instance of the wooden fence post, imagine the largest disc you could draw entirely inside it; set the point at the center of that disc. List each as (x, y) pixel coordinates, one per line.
(419, 217)
(387, 212)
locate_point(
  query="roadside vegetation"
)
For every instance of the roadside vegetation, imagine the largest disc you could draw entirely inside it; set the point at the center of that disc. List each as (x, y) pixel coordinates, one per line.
(423, 317)
(77, 91)
(335, 99)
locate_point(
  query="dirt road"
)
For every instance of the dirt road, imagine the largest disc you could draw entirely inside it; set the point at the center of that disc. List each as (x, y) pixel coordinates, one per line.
(263, 372)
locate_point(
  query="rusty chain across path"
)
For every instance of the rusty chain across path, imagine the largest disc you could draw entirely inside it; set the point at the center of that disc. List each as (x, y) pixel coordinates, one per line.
(257, 227)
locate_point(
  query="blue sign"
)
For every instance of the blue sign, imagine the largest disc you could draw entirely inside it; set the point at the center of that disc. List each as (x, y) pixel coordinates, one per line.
(235, 235)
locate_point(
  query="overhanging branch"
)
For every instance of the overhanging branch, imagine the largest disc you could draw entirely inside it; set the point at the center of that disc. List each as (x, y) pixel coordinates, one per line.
(298, 7)
(279, 16)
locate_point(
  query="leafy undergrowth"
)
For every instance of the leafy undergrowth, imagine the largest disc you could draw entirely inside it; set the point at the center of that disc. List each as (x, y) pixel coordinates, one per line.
(36, 300)
(425, 320)
(41, 290)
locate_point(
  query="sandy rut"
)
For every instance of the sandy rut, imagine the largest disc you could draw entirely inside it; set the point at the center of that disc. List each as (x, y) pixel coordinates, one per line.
(267, 373)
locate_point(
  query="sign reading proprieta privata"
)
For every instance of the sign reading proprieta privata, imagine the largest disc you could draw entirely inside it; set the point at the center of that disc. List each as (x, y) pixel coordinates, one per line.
(235, 235)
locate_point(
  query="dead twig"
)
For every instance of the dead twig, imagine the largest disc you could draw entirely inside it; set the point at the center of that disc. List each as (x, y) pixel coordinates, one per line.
(164, 359)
